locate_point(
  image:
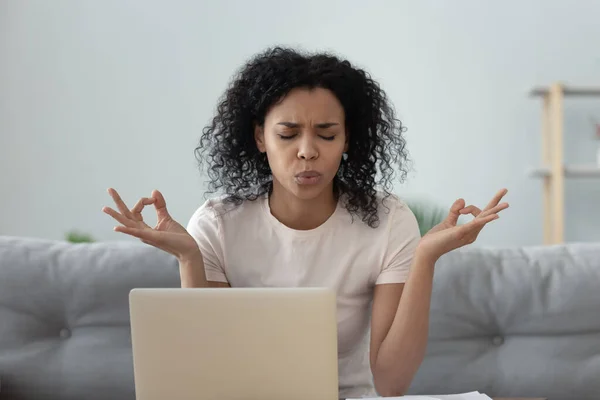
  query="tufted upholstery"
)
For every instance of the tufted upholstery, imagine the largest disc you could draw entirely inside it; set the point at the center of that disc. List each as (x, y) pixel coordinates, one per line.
(64, 316)
(516, 323)
(507, 322)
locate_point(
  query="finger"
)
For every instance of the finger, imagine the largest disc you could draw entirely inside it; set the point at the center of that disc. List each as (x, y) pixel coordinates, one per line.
(475, 226)
(454, 212)
(473, 210)
(495, 210)
(119, 202)
(149, 242)
(118, 217)
(488, 218)
(160, 204)
(136, 211)
(140, 233)
(479, 223)
(496, 199)
(458, 205)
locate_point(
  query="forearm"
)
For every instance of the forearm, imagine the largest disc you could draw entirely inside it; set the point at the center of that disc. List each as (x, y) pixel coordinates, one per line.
(404, 346)
(191, 272)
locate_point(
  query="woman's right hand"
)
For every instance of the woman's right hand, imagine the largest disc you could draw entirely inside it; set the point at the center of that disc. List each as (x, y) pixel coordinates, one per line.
(167, 235)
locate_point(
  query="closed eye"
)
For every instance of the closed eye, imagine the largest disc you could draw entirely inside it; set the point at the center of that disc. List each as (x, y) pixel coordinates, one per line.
(287, 137)
(328, 138)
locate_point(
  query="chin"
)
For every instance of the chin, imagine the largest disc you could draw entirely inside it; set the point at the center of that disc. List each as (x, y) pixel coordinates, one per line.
(306, 195)
(308, 192)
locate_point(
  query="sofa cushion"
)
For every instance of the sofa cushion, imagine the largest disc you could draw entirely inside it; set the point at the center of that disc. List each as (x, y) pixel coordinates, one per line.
(65, 331)
(521, 322)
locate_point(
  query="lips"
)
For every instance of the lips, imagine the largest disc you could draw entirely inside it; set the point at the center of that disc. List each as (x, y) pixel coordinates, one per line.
(308, 174)
(306, 178)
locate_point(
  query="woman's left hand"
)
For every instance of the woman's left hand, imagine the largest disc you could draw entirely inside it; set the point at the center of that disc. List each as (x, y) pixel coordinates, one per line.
(447, 236)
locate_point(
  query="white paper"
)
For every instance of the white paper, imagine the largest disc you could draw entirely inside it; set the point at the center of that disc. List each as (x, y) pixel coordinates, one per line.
(459, 396)
(399, 398)
(464, 396)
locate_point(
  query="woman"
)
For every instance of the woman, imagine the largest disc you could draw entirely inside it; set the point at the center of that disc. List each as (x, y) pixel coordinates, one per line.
(305, 148)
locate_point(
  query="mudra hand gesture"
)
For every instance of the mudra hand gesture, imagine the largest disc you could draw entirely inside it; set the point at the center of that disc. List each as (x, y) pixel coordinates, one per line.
(448, 236)
(168, 235)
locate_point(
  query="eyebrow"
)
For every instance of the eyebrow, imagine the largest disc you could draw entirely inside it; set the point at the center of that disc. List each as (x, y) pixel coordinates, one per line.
(323, 125)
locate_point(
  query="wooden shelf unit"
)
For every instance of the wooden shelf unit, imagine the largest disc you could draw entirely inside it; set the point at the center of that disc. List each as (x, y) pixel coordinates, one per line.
(569, 171)
(553, 171)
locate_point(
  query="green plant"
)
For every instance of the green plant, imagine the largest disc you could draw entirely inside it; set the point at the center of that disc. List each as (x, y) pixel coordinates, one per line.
(78, 237)
(427, 212)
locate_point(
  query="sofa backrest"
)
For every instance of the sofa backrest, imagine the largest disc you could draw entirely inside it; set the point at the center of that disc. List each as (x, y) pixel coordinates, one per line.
(64, 316)
(520, 322)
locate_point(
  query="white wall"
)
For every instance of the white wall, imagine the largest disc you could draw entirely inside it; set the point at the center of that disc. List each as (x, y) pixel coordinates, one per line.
(115, 93)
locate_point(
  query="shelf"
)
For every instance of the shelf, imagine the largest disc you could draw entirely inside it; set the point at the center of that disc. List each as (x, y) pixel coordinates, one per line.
(568, 91)
(570, 171)
(554, 170)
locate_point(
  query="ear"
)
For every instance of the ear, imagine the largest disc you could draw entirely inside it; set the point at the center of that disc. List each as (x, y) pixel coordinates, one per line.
(259, 137)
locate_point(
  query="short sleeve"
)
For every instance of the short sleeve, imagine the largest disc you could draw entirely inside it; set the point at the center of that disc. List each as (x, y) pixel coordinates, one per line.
(403, 238)
(204, 227)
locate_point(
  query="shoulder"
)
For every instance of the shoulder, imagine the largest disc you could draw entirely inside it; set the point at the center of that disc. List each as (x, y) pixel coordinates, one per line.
(391, 202)
(214, 212)
(402, 238)
(206, 213)
(398, 220)
(211, 208)
(393, 211)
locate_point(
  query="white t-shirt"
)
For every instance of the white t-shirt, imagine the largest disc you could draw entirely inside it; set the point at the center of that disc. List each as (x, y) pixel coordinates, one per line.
(247, 246)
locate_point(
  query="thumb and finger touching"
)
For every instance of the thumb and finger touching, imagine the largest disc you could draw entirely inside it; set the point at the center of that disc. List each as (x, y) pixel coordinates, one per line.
(473, 210)
(133, 219)
(482, 217)
(136, 211)
(454, 213)
(491, 208)
(160, 205)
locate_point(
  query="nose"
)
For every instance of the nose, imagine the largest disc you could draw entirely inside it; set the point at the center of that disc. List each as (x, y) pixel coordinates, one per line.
(307, 150)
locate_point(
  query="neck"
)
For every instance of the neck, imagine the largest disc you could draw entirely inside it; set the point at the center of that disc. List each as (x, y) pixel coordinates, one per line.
(298, 213)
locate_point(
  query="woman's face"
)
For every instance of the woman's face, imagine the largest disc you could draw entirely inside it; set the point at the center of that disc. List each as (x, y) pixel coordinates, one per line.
(304, 136)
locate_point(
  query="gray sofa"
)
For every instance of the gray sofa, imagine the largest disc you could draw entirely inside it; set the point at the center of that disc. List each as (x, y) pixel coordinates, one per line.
(506, 322)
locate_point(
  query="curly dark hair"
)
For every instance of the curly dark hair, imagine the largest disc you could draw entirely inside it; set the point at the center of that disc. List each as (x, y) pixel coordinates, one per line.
(375, 141)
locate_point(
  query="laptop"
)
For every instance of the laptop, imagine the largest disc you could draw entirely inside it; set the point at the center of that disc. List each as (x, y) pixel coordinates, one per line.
(234, 343)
